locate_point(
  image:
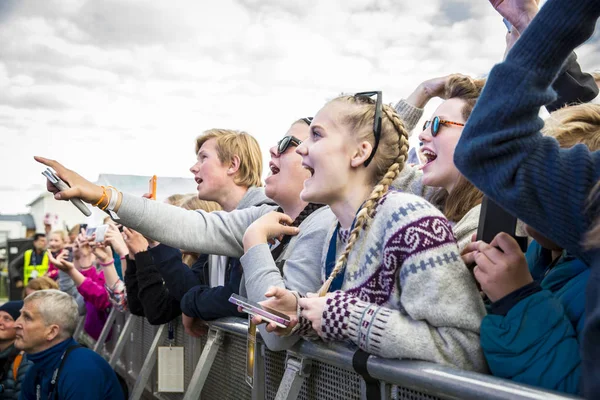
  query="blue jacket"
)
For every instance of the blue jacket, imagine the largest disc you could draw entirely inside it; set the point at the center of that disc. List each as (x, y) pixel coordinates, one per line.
(537, 340)
(85, 375)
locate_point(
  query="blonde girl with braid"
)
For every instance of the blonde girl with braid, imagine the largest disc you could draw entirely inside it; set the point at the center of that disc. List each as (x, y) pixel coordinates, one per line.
(393, 280)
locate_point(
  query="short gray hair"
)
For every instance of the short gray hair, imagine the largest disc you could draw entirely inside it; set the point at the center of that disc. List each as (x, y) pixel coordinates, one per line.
(57, 308)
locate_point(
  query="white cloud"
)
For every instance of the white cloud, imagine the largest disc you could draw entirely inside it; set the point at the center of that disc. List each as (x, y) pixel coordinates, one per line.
(124, 86)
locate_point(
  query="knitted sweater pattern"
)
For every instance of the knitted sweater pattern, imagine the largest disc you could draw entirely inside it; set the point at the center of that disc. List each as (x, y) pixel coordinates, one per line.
(406, 292)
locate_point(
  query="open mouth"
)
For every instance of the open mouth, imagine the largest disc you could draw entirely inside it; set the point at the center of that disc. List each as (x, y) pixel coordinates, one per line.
(429, 155)
(198, 180)
(274, 168)
(312, 171)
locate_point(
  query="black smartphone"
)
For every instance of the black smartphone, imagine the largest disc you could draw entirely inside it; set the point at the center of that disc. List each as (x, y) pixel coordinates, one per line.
(493, 219)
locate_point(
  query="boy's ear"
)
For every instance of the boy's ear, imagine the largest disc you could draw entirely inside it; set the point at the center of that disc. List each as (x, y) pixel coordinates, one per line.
(234, 166)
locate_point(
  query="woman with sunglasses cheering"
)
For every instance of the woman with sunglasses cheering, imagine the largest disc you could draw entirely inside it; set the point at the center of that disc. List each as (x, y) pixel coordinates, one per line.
(437, 179)
(393, 280)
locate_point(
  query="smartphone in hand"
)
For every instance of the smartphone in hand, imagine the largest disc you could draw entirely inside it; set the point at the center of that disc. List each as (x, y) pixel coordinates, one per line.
(152, 187)
(493, 219)
(266, 313)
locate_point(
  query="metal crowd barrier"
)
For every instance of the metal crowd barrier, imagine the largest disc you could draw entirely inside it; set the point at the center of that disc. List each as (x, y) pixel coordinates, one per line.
(215, 368)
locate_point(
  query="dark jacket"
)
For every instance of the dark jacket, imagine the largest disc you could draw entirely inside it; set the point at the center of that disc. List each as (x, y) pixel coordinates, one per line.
(11, 386)
(573, 86)
(160, 294)
(503, 153)
(132, 289)
(85, 375)
(208, 303)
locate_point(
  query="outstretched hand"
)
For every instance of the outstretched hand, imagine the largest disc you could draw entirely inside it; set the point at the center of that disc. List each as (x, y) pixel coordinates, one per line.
(135, 241)
(518, 12)
(114, 238)
(60, 261)
(79, 186)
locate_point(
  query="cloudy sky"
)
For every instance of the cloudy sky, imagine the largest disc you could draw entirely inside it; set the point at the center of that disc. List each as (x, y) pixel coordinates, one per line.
(124, 86)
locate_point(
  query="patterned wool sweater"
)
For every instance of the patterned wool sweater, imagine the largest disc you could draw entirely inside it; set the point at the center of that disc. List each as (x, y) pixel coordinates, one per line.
(406, 292)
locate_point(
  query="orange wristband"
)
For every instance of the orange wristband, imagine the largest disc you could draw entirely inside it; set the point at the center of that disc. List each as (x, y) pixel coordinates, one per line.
(101, 198)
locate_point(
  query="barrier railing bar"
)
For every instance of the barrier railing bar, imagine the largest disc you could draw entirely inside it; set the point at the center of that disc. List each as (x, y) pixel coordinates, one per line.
(79, 328)
(297, 368)
(123, 338)
(147, 367)
(105, 330)
(258, 390)
(214, 341)
(429, 378)
(424, 377)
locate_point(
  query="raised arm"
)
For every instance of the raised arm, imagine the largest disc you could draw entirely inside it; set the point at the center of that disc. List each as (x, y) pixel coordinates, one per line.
(217, 233)
(501, 149)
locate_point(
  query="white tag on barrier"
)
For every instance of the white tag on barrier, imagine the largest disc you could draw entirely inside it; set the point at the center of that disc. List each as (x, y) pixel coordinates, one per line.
(170, 369)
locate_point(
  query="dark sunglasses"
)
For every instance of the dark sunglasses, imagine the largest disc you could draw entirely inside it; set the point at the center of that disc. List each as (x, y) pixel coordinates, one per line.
(376, 122)
(435, 125)
(286, 142)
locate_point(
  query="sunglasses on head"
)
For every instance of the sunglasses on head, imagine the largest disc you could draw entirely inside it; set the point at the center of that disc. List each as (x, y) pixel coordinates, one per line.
(435, 124)
(376, 121)
(286, 142)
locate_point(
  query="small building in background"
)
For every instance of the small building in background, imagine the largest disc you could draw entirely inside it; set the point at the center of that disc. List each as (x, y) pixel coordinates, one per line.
(16, 226)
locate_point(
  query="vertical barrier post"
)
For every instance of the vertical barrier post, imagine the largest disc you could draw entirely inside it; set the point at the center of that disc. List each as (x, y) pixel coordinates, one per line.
(258, 390)
(214, 341)
(297, 368)
(105, 330)
(79, 328)
(146, 371)
(127, 328)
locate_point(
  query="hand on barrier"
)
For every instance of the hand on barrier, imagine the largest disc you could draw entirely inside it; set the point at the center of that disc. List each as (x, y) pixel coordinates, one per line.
(282, 300)
(114, 239)
(61, 261)
(194, 326)
(273, 225)
(312, 309)
(79, 186)
(135, 241)
(501, 271)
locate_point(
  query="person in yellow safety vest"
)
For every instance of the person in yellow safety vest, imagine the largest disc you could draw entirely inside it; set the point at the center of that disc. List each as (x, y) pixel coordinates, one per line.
(31, 264)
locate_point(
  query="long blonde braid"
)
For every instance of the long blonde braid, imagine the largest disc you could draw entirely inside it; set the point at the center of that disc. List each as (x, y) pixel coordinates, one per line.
(366, 213)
